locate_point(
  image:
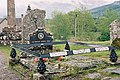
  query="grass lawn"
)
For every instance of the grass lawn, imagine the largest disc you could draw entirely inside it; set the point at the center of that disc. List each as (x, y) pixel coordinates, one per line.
(104, 54)
(72, 47)
(106, 43)
(5, 50)
(101, 55)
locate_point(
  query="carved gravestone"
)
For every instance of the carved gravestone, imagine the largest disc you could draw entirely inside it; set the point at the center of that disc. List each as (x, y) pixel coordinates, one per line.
(115, 33)
(32, 20)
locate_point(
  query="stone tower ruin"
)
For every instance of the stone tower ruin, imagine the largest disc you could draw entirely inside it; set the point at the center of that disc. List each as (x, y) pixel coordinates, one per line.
(11, 13)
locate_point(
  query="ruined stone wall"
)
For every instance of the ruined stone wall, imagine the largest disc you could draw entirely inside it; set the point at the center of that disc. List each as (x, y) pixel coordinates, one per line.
(3, 24)
(115, 32)
(32, 20)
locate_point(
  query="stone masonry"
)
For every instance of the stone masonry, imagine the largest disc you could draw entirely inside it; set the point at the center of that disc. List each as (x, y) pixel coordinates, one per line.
(11, 13)
(31, 21)
(115, 32)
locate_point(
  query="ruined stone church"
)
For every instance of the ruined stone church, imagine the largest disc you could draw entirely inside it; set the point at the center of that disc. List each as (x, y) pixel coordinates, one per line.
(10, 20)
(28, 23)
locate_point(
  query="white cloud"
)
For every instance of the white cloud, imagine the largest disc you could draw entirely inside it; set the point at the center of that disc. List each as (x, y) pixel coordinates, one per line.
(50, 5)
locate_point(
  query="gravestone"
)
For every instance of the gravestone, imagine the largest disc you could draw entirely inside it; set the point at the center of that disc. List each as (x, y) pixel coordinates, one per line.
(115, 33)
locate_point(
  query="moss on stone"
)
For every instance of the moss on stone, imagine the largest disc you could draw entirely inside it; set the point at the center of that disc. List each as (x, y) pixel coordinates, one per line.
(116, 43)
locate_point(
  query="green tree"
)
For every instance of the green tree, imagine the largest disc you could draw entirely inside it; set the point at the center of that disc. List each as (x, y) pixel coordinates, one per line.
(60, 25)
(84, 22)
(106, 20)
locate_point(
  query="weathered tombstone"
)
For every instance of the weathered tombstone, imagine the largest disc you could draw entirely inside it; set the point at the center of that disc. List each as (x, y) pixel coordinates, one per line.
(33, 19)
(115, 33)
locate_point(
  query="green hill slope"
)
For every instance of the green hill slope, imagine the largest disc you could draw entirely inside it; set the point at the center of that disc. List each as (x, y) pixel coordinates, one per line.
(99, 11)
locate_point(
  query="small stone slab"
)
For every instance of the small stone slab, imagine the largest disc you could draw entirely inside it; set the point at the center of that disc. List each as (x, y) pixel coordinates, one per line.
(115, 79)
(117, 71)
(79, 58)
(84, 65)
(108, 69)
(112, 70)
(54, 71)
(39, 76)
(93, 75)
(114, 63)
(82, 62)
(106, 78)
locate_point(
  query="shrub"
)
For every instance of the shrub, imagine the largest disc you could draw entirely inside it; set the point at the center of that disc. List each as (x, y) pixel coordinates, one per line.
(105, 36)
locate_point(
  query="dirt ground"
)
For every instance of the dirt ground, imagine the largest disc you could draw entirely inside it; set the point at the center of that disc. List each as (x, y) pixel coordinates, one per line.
(5, 72)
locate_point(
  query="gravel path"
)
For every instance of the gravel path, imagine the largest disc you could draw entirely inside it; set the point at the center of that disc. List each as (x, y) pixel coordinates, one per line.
(5, 73)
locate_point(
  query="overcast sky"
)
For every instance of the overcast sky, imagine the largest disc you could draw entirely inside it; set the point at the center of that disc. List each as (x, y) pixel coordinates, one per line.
(51, 5)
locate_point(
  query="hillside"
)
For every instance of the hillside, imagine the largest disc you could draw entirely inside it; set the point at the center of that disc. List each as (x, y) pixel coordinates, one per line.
(99, 11)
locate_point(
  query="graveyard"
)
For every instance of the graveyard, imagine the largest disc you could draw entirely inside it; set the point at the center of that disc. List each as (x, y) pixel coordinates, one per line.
(77, 45)
(84, 66)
